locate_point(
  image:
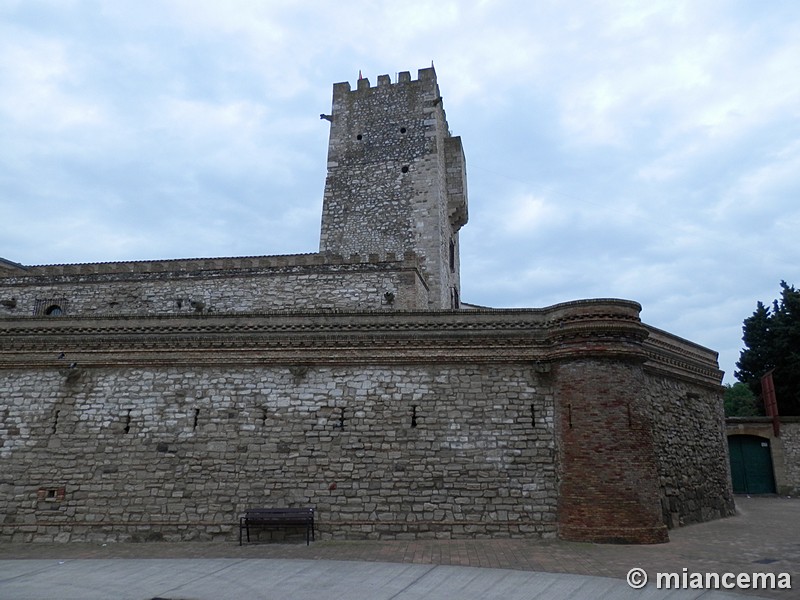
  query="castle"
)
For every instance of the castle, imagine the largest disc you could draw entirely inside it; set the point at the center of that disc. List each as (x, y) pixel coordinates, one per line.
(159, 399)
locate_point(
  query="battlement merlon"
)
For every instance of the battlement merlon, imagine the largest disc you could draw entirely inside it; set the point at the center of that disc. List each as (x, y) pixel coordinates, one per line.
(425, 77)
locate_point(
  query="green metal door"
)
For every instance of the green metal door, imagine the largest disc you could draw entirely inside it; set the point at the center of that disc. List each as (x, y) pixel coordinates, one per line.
(751, 465)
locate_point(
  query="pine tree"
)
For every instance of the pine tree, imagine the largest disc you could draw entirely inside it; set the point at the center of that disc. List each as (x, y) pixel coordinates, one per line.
(772, 341)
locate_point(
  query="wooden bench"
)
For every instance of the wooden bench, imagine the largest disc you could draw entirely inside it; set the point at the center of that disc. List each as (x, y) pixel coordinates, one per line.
(274, 518)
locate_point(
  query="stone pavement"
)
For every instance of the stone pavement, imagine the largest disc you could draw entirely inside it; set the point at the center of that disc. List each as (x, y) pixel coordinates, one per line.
(763, 537)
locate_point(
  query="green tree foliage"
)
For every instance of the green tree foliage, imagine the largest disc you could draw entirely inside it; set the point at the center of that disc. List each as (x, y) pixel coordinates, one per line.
(740, 401)
(772, 341)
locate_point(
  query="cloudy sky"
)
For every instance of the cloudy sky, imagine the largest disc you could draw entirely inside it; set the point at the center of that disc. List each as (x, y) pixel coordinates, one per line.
(641, 150)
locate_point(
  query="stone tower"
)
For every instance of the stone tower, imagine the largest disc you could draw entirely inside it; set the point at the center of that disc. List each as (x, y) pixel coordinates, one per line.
(396, 179)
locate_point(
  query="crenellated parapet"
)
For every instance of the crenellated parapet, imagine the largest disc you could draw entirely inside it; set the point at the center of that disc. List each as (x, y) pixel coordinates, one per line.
(179, 265)
(426, 80)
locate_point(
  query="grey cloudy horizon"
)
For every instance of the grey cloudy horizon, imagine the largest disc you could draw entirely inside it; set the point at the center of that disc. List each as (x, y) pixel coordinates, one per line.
(646, 151)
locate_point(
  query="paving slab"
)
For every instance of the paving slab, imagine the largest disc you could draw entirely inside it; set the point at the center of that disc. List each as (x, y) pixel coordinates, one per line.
(215, 579)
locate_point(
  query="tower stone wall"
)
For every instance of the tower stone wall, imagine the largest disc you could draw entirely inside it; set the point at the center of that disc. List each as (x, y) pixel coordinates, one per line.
(396, 178)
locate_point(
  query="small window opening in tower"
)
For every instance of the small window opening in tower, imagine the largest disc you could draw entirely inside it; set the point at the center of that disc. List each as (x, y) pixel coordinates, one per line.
(54, 310)
(403, 130)
(196, 419)
(452, 256)
(359, 137)
(414, 415)
(127, 428)
(404, 169)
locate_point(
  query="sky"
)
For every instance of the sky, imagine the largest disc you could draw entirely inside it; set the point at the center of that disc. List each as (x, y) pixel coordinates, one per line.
(615, 149)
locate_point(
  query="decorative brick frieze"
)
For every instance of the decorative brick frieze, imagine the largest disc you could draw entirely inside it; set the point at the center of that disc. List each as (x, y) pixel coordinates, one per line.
(319, 338)
(674, 357)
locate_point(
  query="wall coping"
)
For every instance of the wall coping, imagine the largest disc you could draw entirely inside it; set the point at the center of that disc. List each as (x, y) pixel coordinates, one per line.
(597, 328)
(315, 259)
(759, 420)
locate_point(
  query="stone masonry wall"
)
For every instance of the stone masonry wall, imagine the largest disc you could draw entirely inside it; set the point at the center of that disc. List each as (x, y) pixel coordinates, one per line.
(178, 453)
(790, 436)
(238, 290)
(691, 451)
(391, 424)
(684, 400)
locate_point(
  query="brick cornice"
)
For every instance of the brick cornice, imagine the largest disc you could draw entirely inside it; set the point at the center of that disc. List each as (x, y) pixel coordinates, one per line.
(674, 357)
(604, 328)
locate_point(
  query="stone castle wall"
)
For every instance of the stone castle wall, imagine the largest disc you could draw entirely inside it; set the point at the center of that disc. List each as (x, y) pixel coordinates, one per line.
(159, 399)
(640, 436)
(180, 453)
(395, 424)
(688, 423)
(790, 434)
(441, 450)
(689, 431)
(225, 285)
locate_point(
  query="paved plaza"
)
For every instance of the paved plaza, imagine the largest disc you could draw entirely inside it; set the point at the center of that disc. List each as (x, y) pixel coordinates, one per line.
(763, 537)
